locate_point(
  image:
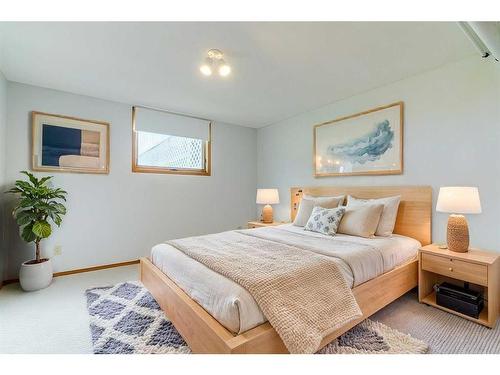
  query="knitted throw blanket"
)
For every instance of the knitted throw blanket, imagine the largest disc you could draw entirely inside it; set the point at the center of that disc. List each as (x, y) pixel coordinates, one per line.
(302, 294)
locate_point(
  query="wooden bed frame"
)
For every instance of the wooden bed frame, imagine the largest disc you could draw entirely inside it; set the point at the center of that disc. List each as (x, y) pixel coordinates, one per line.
(204, 334)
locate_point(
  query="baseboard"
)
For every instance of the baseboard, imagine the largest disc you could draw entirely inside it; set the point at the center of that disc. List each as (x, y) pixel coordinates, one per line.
(80, 270)
(10, 281)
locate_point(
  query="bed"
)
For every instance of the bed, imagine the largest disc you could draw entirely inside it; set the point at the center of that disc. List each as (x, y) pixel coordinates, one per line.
(216, 315)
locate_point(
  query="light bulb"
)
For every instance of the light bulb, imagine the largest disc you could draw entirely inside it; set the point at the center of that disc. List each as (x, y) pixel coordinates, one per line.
(224, 70)
(206, 70)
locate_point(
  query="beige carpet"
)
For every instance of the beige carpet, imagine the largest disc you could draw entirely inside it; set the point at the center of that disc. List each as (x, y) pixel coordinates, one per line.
(443, 332)
(53, 320)
(60, 321)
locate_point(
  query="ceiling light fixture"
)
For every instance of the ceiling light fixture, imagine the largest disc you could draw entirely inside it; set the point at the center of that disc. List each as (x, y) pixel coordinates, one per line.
(206, 68)
(224, 70)
(215, 62)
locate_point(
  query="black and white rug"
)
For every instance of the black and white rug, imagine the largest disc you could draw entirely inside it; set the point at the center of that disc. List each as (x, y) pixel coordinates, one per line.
(125, 319)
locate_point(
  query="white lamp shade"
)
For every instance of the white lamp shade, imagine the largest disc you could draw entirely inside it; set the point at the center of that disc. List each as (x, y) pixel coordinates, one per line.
(459, 200)
(267, 196)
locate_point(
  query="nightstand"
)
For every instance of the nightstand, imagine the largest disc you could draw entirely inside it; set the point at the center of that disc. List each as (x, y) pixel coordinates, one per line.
(259, 224)
(479, 268)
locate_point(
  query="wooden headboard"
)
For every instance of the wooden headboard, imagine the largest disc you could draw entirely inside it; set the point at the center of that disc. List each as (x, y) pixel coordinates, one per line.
(415, 209)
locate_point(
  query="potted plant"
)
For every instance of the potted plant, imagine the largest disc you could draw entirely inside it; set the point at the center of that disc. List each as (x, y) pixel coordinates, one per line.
(38, 204)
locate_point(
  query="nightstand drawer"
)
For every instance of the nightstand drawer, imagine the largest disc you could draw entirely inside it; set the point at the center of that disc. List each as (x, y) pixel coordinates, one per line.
(458, 269)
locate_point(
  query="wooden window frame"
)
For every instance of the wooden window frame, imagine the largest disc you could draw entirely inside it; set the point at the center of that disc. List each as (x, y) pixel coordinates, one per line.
(207, 152)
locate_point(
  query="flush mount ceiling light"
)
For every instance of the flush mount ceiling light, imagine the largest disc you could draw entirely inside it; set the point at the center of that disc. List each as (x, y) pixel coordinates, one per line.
(214, 62)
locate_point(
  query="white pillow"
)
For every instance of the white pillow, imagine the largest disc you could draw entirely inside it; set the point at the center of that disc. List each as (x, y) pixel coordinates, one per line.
(308, 203)
(361, 221)
(389, 214)
(325, 220)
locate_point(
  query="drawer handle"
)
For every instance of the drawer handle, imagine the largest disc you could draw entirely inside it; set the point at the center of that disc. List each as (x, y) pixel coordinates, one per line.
(450, 269)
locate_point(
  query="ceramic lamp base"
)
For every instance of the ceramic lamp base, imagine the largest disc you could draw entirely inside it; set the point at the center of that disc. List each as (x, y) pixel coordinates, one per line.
(267, 214)
(457, 235)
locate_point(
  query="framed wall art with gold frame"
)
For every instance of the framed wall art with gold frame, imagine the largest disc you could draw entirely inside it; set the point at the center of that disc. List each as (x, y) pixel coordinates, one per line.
(366, 143)
(69, 144)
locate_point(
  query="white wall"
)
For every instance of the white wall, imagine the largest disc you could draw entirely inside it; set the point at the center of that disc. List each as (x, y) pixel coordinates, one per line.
(451, 137)
(118, 217)
(3, 144)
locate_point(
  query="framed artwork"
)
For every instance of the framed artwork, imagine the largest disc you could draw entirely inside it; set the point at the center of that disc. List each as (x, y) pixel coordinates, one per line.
(69, 144)
(367, 143)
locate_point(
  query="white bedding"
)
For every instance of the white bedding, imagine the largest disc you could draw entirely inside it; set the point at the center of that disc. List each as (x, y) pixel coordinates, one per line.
(360, 260)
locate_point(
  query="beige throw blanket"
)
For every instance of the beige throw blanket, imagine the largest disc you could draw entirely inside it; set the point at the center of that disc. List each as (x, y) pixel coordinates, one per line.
(302, 294)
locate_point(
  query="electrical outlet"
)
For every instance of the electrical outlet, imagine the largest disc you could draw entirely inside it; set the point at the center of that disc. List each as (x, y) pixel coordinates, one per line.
(58, 250)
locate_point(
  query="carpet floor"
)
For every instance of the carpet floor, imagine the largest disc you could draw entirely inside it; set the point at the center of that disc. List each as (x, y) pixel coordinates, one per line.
(55, 320)
(443, 332)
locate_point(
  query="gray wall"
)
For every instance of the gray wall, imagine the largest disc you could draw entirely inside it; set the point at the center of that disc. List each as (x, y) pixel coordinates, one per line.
(3, 144)
(451, 137)
(118, 217)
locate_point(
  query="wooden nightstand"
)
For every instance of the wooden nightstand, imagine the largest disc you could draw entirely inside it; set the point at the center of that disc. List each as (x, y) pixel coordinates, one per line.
(480, 268)
(259, 224)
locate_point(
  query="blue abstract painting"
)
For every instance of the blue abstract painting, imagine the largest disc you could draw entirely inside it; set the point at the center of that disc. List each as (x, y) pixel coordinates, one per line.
(369, 147)
(69, 144)
(58, 141)
(366, 143)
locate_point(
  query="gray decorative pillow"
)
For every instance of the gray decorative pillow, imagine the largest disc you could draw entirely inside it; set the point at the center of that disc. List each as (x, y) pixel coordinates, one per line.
(361, 221)
(325, 220)
(389, 213)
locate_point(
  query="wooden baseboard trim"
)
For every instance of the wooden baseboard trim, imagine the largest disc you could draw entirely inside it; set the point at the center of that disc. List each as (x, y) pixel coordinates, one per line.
(81, 270)
(96, 268)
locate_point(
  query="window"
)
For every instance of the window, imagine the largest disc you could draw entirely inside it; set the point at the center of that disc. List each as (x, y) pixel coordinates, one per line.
(165, 142)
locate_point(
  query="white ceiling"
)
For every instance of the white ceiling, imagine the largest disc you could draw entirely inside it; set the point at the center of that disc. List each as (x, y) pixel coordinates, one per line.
(279, 69)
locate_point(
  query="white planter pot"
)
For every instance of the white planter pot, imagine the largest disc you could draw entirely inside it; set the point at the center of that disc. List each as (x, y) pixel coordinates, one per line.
(35, 276)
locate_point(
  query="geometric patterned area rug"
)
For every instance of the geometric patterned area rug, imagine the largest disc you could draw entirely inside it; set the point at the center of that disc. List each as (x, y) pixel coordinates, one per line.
(370, 337)
(125, 319)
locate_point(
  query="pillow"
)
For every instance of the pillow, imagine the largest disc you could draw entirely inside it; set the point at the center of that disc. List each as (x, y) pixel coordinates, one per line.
(325, 220)
(389, 213)
(308, 203)
(361, 221)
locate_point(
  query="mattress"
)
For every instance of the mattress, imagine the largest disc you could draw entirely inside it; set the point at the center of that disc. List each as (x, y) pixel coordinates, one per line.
(360, 260)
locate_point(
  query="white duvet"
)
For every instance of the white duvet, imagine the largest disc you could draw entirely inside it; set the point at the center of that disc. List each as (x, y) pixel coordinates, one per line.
(360, 260)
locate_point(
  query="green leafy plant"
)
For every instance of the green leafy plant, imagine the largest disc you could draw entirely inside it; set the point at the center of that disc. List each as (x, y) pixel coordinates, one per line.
(38, 204)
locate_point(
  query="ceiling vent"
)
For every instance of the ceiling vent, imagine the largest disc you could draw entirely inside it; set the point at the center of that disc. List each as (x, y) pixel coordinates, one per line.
(485, 36)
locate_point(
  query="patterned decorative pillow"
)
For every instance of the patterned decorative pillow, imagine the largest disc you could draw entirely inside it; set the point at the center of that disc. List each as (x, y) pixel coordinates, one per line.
(325, 220)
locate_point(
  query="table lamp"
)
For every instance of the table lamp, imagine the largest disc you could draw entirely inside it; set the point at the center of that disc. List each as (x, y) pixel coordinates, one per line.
(267, 197)
(458, 200)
